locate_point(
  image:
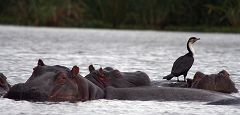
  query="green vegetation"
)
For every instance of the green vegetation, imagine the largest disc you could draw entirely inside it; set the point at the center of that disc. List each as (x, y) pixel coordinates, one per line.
(178, 15)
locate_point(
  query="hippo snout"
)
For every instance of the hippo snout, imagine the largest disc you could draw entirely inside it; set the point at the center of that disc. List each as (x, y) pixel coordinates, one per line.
(22, 92)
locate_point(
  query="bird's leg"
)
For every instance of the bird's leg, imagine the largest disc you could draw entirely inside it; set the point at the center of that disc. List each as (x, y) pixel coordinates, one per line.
(185, 77)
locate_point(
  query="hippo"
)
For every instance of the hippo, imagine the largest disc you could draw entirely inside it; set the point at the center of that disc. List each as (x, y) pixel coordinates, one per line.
(170, 83)
(58, 83)
(55, 83)
(4, 85)
(219, 82)
(113, 77)
(169, 94)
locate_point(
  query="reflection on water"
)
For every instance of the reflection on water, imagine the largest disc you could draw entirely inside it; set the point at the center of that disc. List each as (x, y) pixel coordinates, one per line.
(149, 51)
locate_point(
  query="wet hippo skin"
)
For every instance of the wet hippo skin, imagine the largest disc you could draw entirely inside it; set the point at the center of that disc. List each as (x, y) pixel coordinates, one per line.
(219, 82)
(113, 77)
(165, 94)
(55, 83)
(4, 85)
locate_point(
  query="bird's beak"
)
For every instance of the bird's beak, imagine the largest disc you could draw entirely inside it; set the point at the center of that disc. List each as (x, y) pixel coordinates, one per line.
(196, 39)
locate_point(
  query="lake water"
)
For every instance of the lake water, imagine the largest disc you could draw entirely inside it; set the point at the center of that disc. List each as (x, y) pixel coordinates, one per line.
(150, 51)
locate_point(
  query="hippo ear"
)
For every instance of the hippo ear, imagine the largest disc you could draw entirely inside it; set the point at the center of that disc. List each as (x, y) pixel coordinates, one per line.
(198, 76)
(91, 68)
(40, 63)
(223, 73)
(75, 71)
(102, 76)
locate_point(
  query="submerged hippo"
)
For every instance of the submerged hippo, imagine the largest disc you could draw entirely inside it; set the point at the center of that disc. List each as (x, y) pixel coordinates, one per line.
(169, 94)
(220, 82)
(4, 85)
(112, 77)
(55, 83)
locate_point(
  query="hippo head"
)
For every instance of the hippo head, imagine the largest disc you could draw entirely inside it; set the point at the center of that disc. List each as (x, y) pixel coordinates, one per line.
(224, 83)
(4, 85)
(47, 83)
(220, 82)
(97, 76)
(105, 77)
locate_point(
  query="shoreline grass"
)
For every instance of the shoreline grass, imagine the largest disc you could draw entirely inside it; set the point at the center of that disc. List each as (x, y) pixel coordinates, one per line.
(202, 29)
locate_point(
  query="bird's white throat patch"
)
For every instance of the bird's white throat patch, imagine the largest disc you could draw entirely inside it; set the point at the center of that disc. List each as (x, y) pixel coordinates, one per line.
(191, 48)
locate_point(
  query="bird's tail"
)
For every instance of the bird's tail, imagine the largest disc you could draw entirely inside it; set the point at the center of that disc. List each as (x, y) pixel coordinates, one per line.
(168, 77)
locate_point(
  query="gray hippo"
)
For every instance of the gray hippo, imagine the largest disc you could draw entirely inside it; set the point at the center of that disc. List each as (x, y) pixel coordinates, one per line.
(4, 85)
(113, 77)
(55, 83)
(170, 83)
(219, 82)
(168, 94)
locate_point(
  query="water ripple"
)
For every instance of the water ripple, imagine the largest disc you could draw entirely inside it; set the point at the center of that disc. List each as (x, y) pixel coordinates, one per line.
(149, 51)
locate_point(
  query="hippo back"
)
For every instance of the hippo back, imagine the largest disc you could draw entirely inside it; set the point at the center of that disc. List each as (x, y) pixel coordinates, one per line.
(113, 77)
(127, 79)
(137, 78)
(164, 94)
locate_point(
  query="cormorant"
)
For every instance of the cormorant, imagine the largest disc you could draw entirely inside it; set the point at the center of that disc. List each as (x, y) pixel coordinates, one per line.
(182, 65)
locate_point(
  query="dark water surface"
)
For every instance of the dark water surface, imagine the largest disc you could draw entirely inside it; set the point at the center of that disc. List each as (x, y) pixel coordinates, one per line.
(150, 51)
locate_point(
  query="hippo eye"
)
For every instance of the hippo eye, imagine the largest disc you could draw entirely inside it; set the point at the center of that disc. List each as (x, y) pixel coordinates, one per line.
(61, 78)
(37, 70)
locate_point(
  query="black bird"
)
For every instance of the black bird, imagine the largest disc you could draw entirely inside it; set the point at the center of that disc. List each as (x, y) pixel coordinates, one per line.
(182, 65)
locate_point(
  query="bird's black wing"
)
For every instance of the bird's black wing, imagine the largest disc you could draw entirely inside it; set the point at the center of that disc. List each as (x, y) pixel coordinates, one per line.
(182, 64)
